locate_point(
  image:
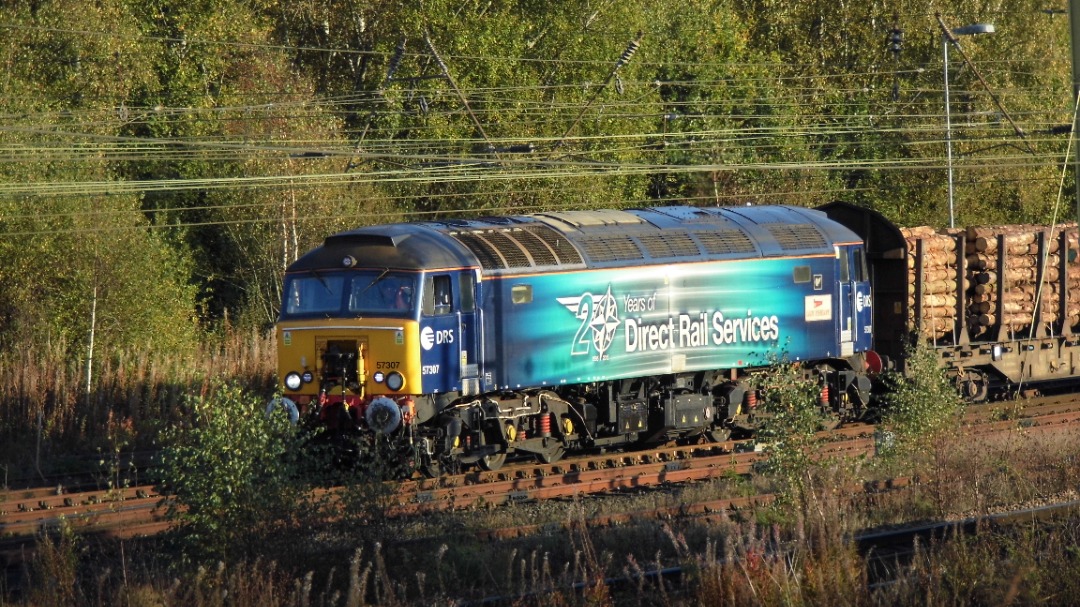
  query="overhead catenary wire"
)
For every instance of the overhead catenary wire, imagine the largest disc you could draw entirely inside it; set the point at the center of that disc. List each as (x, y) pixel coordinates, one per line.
(422, 150)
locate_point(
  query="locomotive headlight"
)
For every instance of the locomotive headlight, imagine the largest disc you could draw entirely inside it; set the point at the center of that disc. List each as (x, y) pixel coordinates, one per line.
(293, 380)
(395, 381)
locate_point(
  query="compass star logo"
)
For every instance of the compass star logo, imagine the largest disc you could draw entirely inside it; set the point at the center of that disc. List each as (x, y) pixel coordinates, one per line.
(599, 316)
(604, 321)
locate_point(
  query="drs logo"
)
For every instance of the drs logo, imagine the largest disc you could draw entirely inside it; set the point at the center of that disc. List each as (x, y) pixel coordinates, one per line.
(430, 337)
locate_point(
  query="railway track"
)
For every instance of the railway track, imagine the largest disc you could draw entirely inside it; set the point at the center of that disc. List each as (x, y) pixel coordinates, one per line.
(140, 510)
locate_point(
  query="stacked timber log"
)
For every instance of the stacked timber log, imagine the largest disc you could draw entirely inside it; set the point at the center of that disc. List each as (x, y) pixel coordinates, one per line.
(1009, 272)
(1003, 267)
(939, 287)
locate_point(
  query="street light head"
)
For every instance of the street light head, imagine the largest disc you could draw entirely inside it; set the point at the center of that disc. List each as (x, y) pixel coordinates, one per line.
(974, 29)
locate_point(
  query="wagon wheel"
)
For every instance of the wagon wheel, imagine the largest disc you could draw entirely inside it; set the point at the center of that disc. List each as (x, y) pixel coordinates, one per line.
(974, 386)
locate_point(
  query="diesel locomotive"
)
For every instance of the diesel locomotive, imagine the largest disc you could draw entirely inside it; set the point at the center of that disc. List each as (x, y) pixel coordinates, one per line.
(464, 342)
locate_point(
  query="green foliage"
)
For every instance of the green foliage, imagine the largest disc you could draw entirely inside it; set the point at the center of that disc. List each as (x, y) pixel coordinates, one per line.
(233, 476)
(68, 257)
(283, 124)
(921, 403)
(789, 406)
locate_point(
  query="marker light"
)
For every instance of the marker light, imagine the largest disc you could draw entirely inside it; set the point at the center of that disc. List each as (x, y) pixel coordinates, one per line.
(378, 377)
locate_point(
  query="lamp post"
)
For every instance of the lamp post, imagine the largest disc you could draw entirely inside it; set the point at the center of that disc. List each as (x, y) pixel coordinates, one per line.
(948, 36)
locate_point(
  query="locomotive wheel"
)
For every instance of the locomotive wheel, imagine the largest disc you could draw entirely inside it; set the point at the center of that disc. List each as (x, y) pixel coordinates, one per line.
(552, 454)
(491, 462)
(434, 468)
(718, 435)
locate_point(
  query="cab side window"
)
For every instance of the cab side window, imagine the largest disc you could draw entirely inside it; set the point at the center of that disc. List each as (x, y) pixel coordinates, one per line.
(438, 295)
(861, 274)
(466, 291)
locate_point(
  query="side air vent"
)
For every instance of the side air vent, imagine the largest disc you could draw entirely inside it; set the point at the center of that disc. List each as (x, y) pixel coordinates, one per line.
(725, 242)
(796, 236)
(611, 248)
(669, 243)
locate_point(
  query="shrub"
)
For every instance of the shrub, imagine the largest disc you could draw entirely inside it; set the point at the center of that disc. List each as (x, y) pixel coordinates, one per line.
(920, 405)
(231, 474)
(790, 416)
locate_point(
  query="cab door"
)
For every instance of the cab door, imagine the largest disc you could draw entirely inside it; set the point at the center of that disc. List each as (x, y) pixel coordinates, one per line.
(470, 325)
(864, 315)
(439, 335)
(449, 334)
(846, 303)
(856, 326)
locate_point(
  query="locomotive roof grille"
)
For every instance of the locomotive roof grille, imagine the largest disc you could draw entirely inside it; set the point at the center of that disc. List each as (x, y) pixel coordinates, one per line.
(511, 250)
(584, 239)
(796, 236)
(670, 243)
(519, 247)
(725, 242)
(566, 253)
(541, 254)
(611, 248)
(484, 251)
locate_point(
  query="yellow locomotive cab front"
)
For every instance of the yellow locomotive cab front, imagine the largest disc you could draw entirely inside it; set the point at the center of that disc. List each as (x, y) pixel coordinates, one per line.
(373, 357)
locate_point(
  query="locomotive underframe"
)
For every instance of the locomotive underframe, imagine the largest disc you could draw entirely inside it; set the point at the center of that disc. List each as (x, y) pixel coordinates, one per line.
(546, 423)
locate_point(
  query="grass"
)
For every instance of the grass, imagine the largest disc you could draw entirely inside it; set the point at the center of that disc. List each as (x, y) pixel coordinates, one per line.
(50, 423)
(800, 556)
(797, 553)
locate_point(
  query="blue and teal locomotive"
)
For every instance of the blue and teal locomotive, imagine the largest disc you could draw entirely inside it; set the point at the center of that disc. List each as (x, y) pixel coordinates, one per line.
(466, 341)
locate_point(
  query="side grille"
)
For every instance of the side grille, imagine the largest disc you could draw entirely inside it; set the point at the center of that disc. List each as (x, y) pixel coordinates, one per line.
(541, 254)
(510, 249)
(565, 252)
(519, 247)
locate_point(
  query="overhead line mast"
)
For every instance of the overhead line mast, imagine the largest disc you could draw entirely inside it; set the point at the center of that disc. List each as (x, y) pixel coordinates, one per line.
(1074, 43)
